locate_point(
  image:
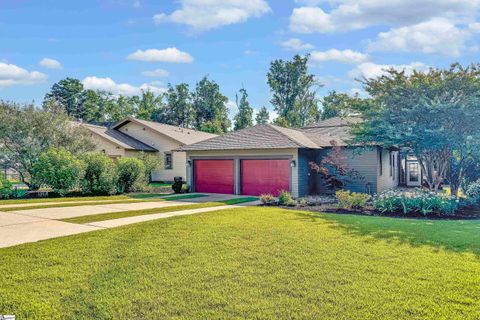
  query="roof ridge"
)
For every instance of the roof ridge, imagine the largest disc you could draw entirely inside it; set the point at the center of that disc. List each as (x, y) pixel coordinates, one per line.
(276, 128)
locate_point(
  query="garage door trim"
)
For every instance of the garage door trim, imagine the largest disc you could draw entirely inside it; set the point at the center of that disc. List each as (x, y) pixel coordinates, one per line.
(237, 166)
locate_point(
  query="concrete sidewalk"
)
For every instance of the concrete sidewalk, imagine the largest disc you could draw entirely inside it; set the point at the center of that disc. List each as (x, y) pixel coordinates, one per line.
(41, 224)
(72, 212)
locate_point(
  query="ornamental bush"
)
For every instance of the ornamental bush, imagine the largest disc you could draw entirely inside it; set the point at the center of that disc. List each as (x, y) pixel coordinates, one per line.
(59, 169)
(5, 188)
(351, 200)
(415, 202)
(473, 192)
(100, 175)
(285, 198)
(267, 199)
(131, 175)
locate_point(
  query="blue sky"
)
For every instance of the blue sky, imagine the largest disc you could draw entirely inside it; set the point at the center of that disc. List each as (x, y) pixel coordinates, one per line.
(126, 45)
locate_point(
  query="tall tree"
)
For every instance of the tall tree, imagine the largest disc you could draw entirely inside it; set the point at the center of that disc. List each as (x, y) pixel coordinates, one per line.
(294, 91)
(148, 105)
(122, 108)
(262, 116)
(244, 118)
(26, 132)
(337, 104)
(211, 112)
(67, 94)
(178, 110)
(434, 114)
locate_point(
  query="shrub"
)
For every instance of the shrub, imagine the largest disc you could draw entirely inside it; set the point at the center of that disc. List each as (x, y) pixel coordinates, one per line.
(152, 162)
(131, 174)
(351, 200)
(285, 198)
(473, 192)
(414, 202)
(267, 198)
(100, 175)
(5, 188)
(59, 169)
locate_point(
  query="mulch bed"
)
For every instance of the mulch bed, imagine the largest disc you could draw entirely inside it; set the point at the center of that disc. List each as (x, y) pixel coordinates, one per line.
(331, 208)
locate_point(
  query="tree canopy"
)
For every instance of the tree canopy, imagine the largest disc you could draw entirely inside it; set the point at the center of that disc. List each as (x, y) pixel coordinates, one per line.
(26, 132)
(244, 118)
(434, 114)
(263, 116)
(210, 107)
(293, 92)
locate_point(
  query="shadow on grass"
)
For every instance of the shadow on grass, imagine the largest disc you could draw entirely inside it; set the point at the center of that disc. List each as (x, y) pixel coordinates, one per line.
(458, 235)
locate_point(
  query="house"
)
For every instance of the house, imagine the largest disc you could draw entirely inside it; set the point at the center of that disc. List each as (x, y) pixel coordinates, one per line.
(131, 136)
(268, 159)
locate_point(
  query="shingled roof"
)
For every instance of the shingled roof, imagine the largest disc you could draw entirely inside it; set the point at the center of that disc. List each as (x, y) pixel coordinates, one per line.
(184, 136)
(265, 136)
(120, 139)
(335, 130)
(268, 136)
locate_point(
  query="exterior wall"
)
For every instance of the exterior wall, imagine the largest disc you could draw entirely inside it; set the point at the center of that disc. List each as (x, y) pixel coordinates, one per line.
(365, 162)
(239, 154)
(163, 144)
(110, 149)
(389, 178)
(305, 174)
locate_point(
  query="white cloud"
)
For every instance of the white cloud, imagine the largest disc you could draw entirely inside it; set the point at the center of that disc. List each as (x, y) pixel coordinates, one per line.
(358, 14)
(296, 45)
(372, 70)
(159, 73)
(11, 75)
(107, 84)
(165, 55)
(436, 36)
(50, 63)
(343, 56)
(204, 15)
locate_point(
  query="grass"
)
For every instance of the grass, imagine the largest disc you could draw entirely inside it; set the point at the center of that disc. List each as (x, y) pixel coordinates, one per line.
(133, 213)
(100, 201)
(160, 184)
(256, 263)
(72, 199)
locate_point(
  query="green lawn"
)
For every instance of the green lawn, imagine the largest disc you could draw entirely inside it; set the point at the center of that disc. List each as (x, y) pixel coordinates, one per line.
(256, 263)
(102, 201)
(133, 213)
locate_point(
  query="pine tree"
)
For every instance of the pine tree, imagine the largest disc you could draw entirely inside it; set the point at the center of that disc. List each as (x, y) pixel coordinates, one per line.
(244, 117)
(262, 116)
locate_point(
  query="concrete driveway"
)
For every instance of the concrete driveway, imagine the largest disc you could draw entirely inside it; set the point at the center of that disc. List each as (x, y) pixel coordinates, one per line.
(23, 226)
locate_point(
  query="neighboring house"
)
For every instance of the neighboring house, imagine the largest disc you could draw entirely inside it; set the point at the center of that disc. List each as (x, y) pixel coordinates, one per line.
(268, 159)
(131, 136)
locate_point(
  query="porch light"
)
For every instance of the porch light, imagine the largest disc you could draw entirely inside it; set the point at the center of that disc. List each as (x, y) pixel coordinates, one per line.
(188, 163)
(293, 163)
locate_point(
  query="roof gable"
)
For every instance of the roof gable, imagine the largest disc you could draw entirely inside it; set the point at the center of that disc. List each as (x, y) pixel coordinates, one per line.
(119, 138)
(182, 135)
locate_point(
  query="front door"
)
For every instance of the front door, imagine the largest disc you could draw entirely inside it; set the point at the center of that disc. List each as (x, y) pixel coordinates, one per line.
(414, 174)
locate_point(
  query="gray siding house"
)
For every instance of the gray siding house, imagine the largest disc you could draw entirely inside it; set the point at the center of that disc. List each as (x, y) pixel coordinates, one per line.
(269, 159)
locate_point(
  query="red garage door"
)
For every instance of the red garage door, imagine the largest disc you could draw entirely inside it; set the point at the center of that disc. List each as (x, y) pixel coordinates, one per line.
(265, 176)
(214, 176)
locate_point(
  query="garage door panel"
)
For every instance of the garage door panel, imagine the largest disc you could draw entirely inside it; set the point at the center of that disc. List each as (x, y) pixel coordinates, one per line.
(214, 176)
(265, 176)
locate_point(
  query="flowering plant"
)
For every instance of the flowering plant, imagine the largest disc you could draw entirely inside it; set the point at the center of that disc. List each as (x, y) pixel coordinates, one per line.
(417, 201)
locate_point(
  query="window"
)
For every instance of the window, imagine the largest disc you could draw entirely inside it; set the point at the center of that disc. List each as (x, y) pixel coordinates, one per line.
(380, 160)
(414, 172)
(168, 160)
(391, 163)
